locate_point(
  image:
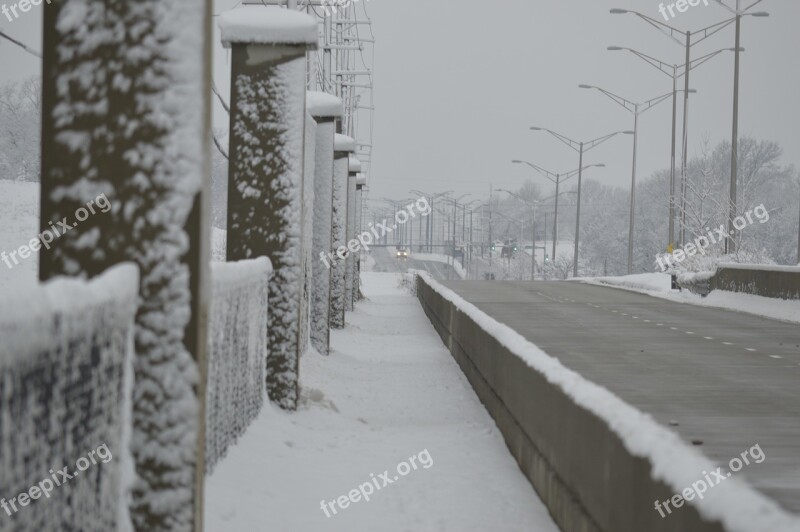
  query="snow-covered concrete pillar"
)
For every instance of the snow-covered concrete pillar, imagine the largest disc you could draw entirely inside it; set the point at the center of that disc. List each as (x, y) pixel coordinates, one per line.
(343, 147)
(265, 190)
(325, 109)
(354, 166)
(361, 184)
(126, 169)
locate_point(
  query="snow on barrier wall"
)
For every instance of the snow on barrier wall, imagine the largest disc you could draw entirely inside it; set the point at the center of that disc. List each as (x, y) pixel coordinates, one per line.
(65, 386)
(237, 352)
(781, 282)
(597, 463)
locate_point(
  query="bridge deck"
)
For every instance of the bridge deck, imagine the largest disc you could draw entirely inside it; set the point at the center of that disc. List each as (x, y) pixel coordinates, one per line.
(729, 380)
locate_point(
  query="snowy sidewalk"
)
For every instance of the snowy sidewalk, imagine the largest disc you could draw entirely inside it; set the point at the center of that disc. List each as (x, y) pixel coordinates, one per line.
(389, 391)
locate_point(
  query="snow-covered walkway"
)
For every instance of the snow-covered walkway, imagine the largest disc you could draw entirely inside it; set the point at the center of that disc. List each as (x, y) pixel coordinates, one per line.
(389, 392)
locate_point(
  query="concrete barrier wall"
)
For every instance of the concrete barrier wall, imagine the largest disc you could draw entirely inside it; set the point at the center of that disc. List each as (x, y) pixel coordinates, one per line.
(237, 353)
(558, 426)
(66, 378)
(769, 281)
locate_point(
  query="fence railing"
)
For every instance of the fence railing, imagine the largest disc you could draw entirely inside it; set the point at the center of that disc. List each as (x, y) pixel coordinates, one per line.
(66, 361)
(237, 352)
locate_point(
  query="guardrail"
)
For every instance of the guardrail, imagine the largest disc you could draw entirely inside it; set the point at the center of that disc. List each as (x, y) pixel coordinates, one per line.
(597, 463)
(781, 282)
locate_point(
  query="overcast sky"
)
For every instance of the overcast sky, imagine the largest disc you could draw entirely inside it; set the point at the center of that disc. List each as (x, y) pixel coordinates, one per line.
(458, 84)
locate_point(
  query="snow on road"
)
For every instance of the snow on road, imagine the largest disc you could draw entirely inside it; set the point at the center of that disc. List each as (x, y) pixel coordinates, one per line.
(659, 285)
(389, 391)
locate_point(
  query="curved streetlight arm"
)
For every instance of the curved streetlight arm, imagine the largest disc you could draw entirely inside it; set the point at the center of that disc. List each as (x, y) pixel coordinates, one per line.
(619, 100)
(552, 176)
(649, 104)
(664, 28)
(671, 31)
(529, 202)
(700, 60)
(733, 10)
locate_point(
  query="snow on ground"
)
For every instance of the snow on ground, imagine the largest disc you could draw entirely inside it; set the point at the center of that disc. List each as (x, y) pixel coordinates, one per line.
(389, 391)
(19, 223)
(437, 257)
(659, 285)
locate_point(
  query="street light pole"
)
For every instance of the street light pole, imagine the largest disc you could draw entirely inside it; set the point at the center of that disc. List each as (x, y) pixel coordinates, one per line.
(558, 178)
(633, 189)
(730, 243)
(672, 72)
(580, 147)
(635, 109)
(705, 33)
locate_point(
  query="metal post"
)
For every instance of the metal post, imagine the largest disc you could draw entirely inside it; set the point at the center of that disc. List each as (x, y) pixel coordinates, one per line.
(578, 215)
(672, 157)
(685, 142)
(555, 218)
(730, 243)
(633, 190)
(533, 241)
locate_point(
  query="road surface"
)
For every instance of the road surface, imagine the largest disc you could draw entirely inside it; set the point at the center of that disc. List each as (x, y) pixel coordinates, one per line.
(725, 380)
(386, 261)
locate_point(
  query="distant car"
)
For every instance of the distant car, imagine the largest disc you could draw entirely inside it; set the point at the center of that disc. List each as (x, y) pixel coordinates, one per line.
(402, 253)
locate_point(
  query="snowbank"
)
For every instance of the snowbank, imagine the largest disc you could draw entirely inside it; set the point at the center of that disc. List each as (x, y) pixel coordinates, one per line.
(658, 285)
(389, 390)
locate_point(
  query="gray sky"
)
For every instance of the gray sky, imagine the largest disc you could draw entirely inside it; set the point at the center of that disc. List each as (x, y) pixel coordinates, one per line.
(458, 84)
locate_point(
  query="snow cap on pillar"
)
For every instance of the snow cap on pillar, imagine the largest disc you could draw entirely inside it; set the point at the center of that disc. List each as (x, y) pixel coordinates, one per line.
(257, 24)
(355, 165)
(344, 143)
(323, 105)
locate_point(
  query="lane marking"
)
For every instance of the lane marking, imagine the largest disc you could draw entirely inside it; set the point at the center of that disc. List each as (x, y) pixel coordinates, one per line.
(689, 332)
(708, 337)
(674, 328)
(775, 356)
(750, 349)
(727, 343)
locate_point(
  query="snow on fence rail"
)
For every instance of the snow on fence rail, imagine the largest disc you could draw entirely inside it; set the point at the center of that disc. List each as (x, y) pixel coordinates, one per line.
(237, 352)
(65, 388)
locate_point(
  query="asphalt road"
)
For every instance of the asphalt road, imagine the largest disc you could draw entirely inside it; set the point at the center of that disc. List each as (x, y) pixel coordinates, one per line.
(729, 380)
(386, 261)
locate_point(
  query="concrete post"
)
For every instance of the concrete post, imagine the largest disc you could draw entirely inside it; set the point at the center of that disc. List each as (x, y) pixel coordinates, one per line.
(354, 168)
(265, 191)
(361, 185)
(343, 147)
(126, 169)
(325, 109)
